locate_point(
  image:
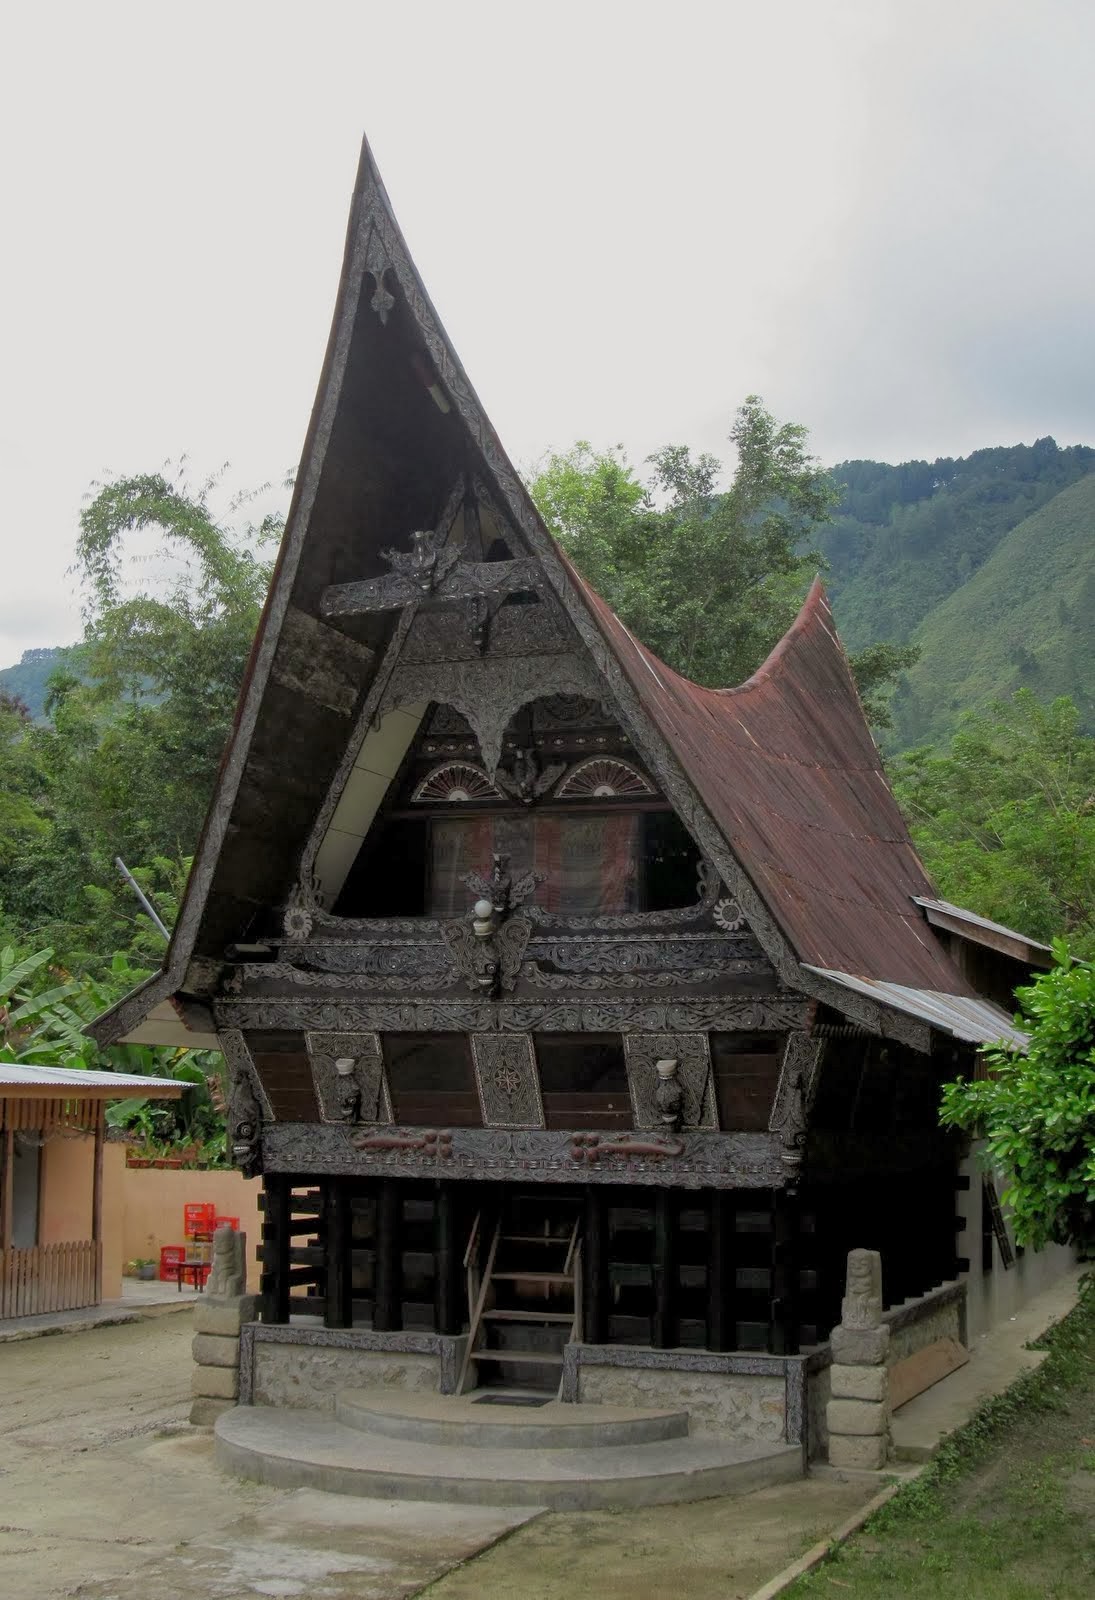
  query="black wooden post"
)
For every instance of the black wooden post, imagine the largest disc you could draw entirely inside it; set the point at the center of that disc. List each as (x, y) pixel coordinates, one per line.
(448, 1310)
(664, 1331)
(783, 1311)
(274, 1282)
(594, 1328)
(722, 1271)
(338, 1309)
(387, 1307)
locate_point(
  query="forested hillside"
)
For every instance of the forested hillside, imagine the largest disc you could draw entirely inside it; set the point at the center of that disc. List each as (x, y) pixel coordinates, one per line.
(1026, 619)
(28, 680)
(905, 537)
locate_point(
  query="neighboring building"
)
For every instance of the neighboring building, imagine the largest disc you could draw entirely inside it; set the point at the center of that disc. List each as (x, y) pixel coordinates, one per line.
(52, 1124)
(562, 998)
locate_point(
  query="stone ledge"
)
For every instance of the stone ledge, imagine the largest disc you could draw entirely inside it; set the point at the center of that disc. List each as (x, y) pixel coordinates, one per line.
(214, 1350)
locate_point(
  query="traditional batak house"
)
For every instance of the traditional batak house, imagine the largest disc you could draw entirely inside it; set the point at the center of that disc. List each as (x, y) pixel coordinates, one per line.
(580, 1019)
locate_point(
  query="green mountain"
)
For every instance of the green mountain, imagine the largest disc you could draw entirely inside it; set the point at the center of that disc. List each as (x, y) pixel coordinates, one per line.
(1025, 619)
(905, 537)
(30, 678)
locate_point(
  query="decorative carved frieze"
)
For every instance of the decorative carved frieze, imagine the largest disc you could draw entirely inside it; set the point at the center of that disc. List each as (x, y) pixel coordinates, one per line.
(490, 964)
(349, 1078)
(514, 630)
(627, 980)
(764, 1014)
(690, 1050)
(793, 1094)
(705, 1160)
(507, 1080)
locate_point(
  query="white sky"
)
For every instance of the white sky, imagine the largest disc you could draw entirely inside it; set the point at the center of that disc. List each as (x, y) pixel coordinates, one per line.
(878, 214)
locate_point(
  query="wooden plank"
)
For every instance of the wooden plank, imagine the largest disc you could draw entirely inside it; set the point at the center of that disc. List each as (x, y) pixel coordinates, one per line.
(663, 1333)
(447, 1269)
(923, 1368)
(338, 1311)
(595, 1269)
(388, 1314)
(275, 1249)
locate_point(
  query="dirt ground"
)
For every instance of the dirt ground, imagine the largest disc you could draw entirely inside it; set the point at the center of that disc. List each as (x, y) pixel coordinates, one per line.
(107, 1493)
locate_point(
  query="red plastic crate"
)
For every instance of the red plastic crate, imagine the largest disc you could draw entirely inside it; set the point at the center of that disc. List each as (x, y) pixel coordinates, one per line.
(198, 1218)
(226, 1222)
(170, 1256)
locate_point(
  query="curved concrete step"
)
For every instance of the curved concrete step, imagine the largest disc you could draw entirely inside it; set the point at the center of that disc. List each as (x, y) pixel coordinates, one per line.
(296, 1449)
(460, 1420)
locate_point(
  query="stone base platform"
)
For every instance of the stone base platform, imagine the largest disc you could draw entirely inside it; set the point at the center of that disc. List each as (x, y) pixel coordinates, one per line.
(404, 1446)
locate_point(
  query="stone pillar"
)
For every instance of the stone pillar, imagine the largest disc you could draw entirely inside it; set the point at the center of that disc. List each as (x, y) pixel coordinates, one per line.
(218, 1316)
(858, 1415)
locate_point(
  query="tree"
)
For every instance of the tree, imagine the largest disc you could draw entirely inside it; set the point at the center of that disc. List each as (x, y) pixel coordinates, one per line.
(709, 579)
(1037, 1110)
(138, 715)
(1005, 819)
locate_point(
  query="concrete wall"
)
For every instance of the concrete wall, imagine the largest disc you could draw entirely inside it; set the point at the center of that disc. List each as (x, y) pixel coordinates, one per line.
(728, 1405)
(152, 1201)
(993, 1297)
(68, 1167)
(307, 1375)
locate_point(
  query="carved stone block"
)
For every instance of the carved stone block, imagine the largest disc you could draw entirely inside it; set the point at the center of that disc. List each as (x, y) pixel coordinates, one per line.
(507, 1080)
(858, 1452)
(363, 1090)
(862, 1303)
(644, 1050)
(860, 1347)
(857, 1416)
(858, 1383)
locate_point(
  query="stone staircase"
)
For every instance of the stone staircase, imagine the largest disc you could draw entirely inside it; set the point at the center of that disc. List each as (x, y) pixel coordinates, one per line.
(489, 1448)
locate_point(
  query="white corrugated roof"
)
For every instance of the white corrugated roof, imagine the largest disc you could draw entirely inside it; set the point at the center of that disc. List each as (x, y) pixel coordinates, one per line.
(123, 1083)
(963, 1016)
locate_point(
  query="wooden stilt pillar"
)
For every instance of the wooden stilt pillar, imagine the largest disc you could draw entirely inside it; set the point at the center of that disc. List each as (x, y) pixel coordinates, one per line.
(783, 1311)
(448, 1307)
(388, 1308)
(663, 1334)
(274, 1282)
(338, 1308)
(722, 1272)
(595, 1286)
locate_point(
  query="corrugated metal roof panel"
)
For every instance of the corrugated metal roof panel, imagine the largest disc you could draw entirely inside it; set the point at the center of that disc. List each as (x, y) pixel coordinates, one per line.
(980, 922)
(54, 1078)
(788, 769)
(963, 1016)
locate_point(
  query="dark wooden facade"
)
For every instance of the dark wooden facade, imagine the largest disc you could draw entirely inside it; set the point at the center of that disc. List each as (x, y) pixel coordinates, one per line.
(535, 965)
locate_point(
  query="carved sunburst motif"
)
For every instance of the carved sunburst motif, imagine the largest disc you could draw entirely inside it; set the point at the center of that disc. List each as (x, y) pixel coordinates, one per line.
(454, 781)
(602, 777)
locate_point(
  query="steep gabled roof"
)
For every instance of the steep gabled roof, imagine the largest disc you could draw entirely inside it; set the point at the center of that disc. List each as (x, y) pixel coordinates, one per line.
(778, 779)
(787, 767)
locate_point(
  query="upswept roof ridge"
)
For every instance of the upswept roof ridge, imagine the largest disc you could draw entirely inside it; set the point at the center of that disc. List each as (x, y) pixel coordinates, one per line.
(787, 767)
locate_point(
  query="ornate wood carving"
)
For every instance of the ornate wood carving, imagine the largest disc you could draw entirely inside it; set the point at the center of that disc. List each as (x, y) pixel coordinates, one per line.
(248, 1106)
(643, 1050)
(360, 1096)
(605, 776)
(514, 630)
(760, 1014)
(794, 1091)
(507, 1080)
(707, 1160)
(489, 690)
(490, 964)
(454, 781)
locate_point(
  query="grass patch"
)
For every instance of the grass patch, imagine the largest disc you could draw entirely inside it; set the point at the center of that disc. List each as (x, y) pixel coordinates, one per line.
(1006, 1510)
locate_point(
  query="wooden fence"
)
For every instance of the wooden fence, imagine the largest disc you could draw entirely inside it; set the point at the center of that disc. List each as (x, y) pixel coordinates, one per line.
(49, 1277)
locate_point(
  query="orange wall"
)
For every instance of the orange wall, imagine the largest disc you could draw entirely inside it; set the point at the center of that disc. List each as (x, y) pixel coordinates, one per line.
(68, 1167)
(152, 1201)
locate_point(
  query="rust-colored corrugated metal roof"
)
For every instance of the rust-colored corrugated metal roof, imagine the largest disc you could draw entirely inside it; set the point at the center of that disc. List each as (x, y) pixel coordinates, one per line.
(787, 767)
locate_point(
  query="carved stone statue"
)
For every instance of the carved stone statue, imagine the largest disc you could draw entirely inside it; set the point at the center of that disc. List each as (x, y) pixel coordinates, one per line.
(669, 1094)
(229, 1275)
(862, 1303)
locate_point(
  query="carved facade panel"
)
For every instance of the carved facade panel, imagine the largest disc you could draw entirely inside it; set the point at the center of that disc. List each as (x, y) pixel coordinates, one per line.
(349, 1078)
(693, 1159)
(248, 1106)
(489, 690)
(507, 1079)
(690, 1050)
(794, 1093)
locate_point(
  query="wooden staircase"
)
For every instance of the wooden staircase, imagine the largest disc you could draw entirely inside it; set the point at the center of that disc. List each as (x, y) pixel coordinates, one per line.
(526, 1304)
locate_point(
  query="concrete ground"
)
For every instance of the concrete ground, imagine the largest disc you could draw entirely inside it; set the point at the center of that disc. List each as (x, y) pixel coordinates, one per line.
(106, 1493)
